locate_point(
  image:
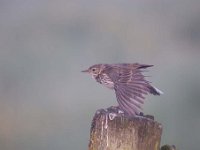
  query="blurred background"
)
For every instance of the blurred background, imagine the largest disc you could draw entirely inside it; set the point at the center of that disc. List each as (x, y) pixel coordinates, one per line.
(46, 103)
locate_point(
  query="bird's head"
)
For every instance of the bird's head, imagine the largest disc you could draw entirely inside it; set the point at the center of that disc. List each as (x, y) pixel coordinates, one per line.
(94, 70)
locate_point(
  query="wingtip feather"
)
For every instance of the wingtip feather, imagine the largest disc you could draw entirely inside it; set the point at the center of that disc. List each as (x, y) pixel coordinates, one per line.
(155, 91)
(159, 91)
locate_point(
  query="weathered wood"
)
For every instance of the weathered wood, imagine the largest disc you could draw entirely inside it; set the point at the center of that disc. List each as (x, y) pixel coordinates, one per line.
(111, 130)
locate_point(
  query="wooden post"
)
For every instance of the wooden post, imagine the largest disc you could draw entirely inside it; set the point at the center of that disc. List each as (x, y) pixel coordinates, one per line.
(111, 130)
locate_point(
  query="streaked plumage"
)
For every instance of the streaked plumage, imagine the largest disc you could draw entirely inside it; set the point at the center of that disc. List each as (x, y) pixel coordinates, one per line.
(128, 82)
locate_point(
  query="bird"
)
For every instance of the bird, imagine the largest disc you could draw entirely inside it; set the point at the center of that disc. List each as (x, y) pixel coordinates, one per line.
(128, 82)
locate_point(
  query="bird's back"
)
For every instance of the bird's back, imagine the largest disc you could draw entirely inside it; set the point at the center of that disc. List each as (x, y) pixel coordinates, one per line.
(114, 71)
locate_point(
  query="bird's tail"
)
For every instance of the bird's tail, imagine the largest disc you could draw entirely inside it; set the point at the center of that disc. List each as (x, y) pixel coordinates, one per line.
(155, 91)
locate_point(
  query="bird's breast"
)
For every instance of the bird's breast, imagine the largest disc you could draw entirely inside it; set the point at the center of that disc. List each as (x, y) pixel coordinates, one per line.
(106, 81)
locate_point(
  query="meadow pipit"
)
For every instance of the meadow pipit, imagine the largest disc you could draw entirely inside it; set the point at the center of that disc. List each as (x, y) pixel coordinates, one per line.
(128, 82)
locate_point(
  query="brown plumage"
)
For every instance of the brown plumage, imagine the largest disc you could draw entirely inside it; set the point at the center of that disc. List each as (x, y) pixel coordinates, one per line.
(128, 82)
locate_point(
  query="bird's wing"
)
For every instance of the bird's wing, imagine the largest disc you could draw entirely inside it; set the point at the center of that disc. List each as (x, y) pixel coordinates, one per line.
(130, 88)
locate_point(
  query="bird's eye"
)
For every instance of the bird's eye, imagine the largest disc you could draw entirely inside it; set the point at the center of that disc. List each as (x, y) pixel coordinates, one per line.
(93, 69)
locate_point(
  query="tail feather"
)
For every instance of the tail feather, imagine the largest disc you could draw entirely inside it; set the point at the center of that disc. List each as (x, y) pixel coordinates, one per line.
(155, 91)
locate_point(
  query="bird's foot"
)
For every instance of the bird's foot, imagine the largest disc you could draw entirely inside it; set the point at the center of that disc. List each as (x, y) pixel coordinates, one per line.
(141, 114)
(116, 109)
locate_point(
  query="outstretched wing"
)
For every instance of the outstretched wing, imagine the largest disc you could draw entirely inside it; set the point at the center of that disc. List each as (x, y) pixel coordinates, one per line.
(131, 87)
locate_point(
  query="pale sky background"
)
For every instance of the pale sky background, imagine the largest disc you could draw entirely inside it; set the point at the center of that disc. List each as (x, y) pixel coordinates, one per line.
(46, 103)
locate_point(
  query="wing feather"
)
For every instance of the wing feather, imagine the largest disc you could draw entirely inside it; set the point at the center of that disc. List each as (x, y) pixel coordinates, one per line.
(129, 96)
(126, 104)
(130, 88)
(126, 108)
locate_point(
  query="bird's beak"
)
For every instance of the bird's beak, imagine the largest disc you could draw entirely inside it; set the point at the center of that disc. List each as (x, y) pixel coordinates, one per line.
(86, 71)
